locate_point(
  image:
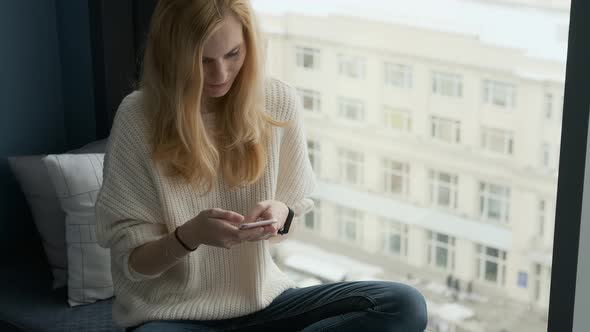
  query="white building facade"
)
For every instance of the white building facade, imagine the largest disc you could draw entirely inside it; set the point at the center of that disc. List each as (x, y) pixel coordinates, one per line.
(436, 153)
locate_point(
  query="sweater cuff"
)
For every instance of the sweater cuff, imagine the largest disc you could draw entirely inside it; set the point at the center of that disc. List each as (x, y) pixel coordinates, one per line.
(302, 206)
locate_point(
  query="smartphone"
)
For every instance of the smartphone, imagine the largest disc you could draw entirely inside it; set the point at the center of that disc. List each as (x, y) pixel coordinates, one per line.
(258, 223)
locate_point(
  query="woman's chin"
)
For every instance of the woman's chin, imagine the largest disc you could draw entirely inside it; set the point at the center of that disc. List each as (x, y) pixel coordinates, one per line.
(216, 93)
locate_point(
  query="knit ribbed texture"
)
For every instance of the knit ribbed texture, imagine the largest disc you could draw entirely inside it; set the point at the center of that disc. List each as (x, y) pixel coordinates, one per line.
(138, 204)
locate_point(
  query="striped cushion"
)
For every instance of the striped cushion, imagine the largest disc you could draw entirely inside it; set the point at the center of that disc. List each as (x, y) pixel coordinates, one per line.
(77, 179)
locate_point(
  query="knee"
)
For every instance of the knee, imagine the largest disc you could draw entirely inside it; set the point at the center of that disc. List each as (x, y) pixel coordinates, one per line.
(408, 302)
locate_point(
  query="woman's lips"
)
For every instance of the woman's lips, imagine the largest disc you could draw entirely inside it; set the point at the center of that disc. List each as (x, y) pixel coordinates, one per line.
(216, 86)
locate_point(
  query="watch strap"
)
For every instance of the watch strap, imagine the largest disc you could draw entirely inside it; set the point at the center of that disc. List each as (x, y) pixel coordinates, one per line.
(287, 224)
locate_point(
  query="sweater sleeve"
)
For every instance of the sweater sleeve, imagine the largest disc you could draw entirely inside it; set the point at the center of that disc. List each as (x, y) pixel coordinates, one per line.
(296, 179)
(127, 209)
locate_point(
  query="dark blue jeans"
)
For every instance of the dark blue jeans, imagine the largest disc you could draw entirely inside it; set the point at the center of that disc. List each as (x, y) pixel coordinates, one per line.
(343, 306)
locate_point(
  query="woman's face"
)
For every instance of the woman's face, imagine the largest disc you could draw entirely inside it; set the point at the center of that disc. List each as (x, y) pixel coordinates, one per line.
(223, 56)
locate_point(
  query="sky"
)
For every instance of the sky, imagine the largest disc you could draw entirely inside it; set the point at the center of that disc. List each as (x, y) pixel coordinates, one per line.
(539, 32)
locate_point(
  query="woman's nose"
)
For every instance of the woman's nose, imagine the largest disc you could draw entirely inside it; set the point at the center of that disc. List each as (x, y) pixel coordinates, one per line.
(219, 73)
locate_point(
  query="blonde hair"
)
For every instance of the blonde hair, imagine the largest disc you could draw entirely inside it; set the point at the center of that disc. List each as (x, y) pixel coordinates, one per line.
(172, 81)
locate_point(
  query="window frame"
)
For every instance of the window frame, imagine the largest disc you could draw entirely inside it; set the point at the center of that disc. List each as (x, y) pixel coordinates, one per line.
(491, 90)
(392, 69)
(441, 78)
(316, 99)
(302, 51)
(352, 66)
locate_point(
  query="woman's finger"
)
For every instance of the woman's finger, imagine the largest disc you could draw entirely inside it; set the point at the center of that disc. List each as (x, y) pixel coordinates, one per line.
(230, 216)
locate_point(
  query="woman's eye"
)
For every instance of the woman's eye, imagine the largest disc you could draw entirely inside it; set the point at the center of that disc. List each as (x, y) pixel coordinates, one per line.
(234, 54)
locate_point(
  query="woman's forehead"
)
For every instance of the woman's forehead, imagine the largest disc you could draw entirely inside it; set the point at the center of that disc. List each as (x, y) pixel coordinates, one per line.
(226, 37)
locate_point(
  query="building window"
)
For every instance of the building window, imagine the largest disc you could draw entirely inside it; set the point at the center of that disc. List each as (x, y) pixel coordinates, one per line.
(546, 156)
(494, 202)
(538, 282)
(349, 225)
(491, 264)
(396, 176)
(548, 105)
(314, 151)
(312, 218)
(523, 279)
(352, 66)
(497, 140)
(441, 251)
(446, 130)
(542, 211)
(310, 100)
(307, 57)
(499, 94)
(399, 120)
(443, 189)
(394, 237)
(351, 166)
(351, 109)
(446, 84)
(396, 75)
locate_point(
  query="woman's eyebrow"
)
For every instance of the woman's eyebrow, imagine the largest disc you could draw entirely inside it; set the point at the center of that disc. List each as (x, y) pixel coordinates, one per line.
(228, 53)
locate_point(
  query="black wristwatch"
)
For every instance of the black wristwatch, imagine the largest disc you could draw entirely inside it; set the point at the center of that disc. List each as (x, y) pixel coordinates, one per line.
(287, 223)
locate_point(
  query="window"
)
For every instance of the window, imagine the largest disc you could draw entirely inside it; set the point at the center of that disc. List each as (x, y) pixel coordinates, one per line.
(351, 166)
(499, 94)
(445, 84)
(523, 279)
(314, 151)
(396, 176)
(395, 237)
(351, 66)
(396, 119)
(546, 155)
(542, 213)
(441, 251)
(308, 58)
(497, 140)
(349, 225)
(491, 264)
(443, 189)
(310, 100)
(538, 281)
(351, 109)
(312, 218)
(446, 130)
(548, 105)
(396, 75)
(494, 202)
(401, 124)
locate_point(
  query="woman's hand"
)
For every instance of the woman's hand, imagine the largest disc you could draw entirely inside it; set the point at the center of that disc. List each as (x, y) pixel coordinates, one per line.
(269, 209)
(219, 228)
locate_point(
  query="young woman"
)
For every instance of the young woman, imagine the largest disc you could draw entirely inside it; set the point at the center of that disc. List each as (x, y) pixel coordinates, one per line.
(206, 144)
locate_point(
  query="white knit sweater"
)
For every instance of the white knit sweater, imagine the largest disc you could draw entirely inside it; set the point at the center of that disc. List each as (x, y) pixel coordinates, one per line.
(138, 204)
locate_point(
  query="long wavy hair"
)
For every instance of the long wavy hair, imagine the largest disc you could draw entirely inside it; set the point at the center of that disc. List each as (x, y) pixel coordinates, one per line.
(172, 84)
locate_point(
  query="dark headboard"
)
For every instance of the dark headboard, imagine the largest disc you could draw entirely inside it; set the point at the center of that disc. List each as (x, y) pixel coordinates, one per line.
(118, 37)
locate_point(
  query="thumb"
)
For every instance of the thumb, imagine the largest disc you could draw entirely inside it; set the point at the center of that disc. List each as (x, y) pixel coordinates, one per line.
(256, 212)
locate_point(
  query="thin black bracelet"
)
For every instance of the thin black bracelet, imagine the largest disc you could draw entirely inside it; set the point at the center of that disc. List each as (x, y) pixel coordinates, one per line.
(182, 243)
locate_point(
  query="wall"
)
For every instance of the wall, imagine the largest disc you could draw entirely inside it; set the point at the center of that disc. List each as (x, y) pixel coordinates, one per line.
(45, 97)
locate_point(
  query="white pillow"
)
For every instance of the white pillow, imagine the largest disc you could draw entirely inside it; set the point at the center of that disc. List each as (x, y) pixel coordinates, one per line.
(49, 219)
(77, 179)
(48, 216)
